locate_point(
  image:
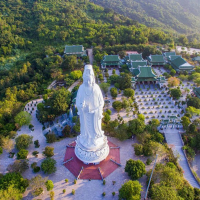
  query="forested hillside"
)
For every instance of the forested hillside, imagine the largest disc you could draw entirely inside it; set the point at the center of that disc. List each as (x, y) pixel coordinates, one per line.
(30, 24)
(182, 16)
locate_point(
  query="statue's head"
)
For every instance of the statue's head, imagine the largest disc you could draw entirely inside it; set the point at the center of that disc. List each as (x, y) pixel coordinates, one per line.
(88, 76)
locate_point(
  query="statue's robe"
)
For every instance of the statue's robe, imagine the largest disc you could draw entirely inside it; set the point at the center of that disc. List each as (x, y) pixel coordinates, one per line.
(90, 109)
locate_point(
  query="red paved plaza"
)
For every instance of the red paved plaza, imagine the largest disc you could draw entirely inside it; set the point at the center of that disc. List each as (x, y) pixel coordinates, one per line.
(91, 171)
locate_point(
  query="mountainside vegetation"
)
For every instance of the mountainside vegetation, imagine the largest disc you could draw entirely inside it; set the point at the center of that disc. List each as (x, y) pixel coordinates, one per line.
(29, 24)
(34, 32)
(180, 16)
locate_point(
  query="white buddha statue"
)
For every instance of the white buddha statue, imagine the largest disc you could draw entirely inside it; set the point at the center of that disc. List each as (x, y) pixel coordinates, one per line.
(91, 144)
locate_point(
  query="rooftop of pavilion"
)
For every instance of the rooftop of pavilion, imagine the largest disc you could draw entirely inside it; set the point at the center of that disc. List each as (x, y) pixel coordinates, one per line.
(111, 60)
(156, 58)
(161, 79)
(135, 57)
(145, 74)
(167, 54)
(134, 65)
(74, 49)
(180, 64)
(173, 57)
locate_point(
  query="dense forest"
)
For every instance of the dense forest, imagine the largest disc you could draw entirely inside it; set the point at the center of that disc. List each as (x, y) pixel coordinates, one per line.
(180, 16)
(28, 24)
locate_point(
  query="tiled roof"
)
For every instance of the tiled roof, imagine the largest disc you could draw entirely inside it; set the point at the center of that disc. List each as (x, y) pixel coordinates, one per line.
(111, 58)
(186, 65)
(135, 71)
(161, 79)
(157, 58)
(135, 64)
(197, 91)
(145, 72)
(73, 49)
(135, 57)
(173, 57)
(167, 54)
(178, 62)
(132, 79)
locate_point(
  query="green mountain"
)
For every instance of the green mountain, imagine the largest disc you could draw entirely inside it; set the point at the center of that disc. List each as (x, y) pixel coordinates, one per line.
(182, 16)
(29, 25)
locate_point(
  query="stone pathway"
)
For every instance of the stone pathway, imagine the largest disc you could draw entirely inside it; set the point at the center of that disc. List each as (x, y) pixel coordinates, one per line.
(174, 141)
(90, 55)
(73, 85)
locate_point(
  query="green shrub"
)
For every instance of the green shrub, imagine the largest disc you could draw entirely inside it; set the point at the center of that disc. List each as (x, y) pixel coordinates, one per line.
(135, 168)
(51, 138)
(109, 111)
(48, 166)
(49, 185)
(37, 144)
(104, 182)
(37, 192)
(149, 161)
(66, 180)
(75, 181)
(1, 150)
(33, 165)
(30, 126)
(52, 194)
(35, 153)
(64, 191)
(23, 141)
(73, 191)
(103, 194)
(36, 169)
(138, 148)
(22, 154)
(113, 193)
(48, 152)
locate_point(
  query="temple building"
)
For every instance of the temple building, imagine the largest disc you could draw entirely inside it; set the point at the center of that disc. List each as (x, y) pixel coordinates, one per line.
(111, 60)
(133, 66)
(167, 54)
(172, 57)
(77, 50)
(145, 75)
(179, 64)
(156, 60)
(133, 57)
(133, 61)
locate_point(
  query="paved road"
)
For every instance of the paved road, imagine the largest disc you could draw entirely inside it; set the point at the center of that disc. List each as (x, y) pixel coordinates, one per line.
(174, 140)
(73, 85)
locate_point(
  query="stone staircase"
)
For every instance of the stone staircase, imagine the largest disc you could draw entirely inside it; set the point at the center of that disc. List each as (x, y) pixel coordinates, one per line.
(174, 140)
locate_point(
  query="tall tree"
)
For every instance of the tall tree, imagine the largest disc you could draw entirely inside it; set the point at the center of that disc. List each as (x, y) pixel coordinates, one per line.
(130, 190)
(135, 168)
(59, 101)
(23, 118)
